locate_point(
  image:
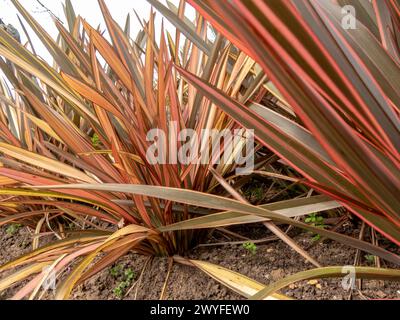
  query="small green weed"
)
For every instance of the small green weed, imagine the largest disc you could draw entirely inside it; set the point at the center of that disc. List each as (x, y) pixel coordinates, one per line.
(13, 228)
(116, 271)
(95, 140)
(251, 247)
(126, 278)
(317, 221)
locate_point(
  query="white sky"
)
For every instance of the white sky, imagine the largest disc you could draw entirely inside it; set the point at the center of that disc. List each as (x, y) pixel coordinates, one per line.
(88, 9)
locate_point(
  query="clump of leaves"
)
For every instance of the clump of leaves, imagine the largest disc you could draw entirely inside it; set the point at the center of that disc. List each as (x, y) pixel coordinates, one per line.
(122, 88)
(315, 220)
(95, 140)
(116, 271)
(13, 228)
(250, 247)
(126, 278)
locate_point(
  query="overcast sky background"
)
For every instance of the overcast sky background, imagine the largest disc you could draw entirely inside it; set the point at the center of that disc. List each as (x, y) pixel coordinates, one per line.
(88, 9)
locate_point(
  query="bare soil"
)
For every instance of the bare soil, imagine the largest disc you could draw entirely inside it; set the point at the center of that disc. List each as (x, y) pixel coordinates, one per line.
(272, 261)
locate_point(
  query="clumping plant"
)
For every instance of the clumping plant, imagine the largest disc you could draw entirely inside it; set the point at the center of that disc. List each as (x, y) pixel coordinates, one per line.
(95, 139)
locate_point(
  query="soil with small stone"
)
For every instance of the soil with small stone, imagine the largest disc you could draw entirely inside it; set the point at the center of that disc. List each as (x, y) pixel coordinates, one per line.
(271, 261)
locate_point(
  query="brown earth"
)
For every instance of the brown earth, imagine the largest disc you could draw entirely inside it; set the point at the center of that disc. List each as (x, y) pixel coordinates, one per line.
(272, 261)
